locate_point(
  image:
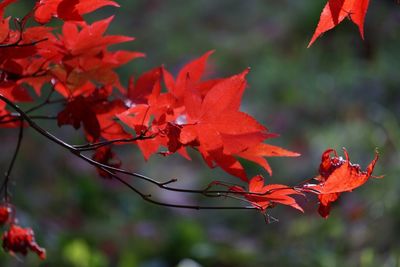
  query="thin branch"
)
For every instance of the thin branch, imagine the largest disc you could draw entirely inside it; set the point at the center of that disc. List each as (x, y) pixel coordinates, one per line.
(17, 43)
(20, 25)
(112, 171)
(45, 102)
(162, 185)
(35, 126)
(172, 205)
(6, 180)
(93, 146)
(36, 117)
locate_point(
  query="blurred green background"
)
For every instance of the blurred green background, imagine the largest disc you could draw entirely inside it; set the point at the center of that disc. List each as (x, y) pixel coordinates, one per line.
(341, 92)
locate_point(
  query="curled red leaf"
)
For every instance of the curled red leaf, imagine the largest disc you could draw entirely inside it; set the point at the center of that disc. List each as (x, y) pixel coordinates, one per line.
(337, 175)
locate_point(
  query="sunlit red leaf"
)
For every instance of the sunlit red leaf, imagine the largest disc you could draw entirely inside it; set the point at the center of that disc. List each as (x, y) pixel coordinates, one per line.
(87, 39)
(139, 91)
(335, 11)
(190, 74)
(337, 175)
(267, 196)
(258, 152)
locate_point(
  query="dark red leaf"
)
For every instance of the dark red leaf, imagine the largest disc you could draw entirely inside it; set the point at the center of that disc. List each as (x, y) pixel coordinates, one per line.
(106, 156)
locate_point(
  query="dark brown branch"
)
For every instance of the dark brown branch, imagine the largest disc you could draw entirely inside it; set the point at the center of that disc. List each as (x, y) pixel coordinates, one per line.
(112, 171)
(6, 180)
(37, 117)
(196, 207)
(17, 43)
(93, 146)
(44, 103)
(162, 185)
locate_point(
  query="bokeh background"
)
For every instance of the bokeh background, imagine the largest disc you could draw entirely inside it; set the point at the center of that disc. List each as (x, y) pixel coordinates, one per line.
(341, 92)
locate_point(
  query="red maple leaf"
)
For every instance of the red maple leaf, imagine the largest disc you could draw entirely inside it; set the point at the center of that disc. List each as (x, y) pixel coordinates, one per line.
(215, 125)
(264, 196)
(79, 111)
(67, 9)
(106, 112)
(106, 156)
(83, 57)
(155, 113)
(337, 175)
(96, 113)
(201, 114)
(335, 11)
(16, 93)
(148, 83)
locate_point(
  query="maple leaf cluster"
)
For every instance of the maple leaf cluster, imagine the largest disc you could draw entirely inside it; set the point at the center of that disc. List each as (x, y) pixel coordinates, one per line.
(158, 112)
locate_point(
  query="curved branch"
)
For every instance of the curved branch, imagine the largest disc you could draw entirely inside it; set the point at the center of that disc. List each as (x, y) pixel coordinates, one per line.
(112, 170)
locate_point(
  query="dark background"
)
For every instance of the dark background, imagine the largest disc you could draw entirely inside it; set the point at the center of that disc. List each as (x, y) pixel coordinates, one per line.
(341, 92)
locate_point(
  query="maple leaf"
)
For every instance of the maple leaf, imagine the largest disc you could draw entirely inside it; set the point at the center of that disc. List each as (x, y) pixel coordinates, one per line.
(221, 130)
(79, 111)
(139, 91)
(89, 40)
(335, 11)
(264, 196)
(106, 112)
(154, 113)
(67, 9)
(204, 115)
(188, 77)
(337, 175)
(106, 156)
(83, 57)
(16, 93)
(21, 240)
(96, 113)
(261, 150)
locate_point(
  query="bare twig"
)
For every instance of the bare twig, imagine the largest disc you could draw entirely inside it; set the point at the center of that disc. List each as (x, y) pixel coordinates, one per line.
(6, 180)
